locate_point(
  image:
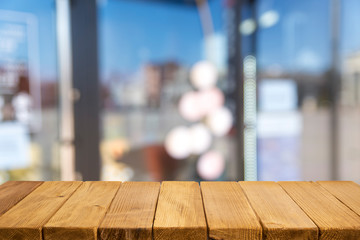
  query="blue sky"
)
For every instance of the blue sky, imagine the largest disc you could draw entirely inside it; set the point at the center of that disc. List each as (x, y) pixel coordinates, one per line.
(301, 39)
(154, 32)
(44, 11)
(306, 45)
(133, 32)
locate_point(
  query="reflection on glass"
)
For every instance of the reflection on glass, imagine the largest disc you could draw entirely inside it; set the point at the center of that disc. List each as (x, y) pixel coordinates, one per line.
(294, 111)
(295, 143)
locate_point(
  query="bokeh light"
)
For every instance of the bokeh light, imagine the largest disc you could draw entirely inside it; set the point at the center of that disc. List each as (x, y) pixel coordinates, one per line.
(189, 107)
(200, 138)
(211, 165)
(203, 75)
(220, 121)
(210, 100)
(269, 19)
(247, 27)
(178, 142)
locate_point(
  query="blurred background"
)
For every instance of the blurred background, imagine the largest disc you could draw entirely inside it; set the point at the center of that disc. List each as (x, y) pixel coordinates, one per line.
(179, 90)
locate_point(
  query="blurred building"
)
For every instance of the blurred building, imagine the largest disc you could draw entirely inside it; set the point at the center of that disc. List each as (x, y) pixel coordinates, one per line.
(156, 77)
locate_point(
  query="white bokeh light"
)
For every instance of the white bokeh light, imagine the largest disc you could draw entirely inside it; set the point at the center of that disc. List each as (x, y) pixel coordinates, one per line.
(220, 121)
(210, 100)
(203, 75)
(247, 27)
(200, 137)
(177, 142)
(211, 165)
(189, 107)
(269, 19)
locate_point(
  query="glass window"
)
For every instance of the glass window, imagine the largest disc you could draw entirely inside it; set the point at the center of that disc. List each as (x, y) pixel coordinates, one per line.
(28, 91)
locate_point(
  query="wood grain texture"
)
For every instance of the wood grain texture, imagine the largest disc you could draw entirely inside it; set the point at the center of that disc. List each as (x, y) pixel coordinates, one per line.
(13, 192)
(25, 220)
(81, 215)
(333, 218)
(280, 217)
(131, 213)
(179, 213)
(228, 212)
(346, 191)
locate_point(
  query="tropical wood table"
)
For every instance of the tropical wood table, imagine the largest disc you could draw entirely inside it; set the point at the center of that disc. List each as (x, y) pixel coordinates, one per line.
(179, 210)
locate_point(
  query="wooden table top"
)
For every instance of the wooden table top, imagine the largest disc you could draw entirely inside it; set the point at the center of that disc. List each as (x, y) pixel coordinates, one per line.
(179, 210)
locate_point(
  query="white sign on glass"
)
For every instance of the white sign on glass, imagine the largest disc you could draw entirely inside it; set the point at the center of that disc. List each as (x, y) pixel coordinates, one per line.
(14, 146)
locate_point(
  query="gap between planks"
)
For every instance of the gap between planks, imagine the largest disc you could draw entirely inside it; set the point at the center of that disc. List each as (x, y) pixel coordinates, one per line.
(25, 220)
(69, 222)
(131, 213)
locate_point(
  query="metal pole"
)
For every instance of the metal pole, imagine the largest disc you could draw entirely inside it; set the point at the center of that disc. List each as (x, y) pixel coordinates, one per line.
(240, 91)
(236, 78)
(66, 111)
(334, 89)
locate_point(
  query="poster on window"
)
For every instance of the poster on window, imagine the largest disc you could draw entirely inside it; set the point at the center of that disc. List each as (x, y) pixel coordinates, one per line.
(279, 127)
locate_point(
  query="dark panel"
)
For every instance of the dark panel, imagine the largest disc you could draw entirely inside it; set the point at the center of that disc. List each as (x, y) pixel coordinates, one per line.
(236, 79)
(86, 81)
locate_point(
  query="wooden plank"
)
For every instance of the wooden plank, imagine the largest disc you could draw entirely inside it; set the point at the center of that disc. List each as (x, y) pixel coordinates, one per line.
(334, 219)
(228, 212)
(25, 220)
(179, 213)
(13, 192)
(280, 216)
(346, 191)
(131, 213)
(81, 215)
